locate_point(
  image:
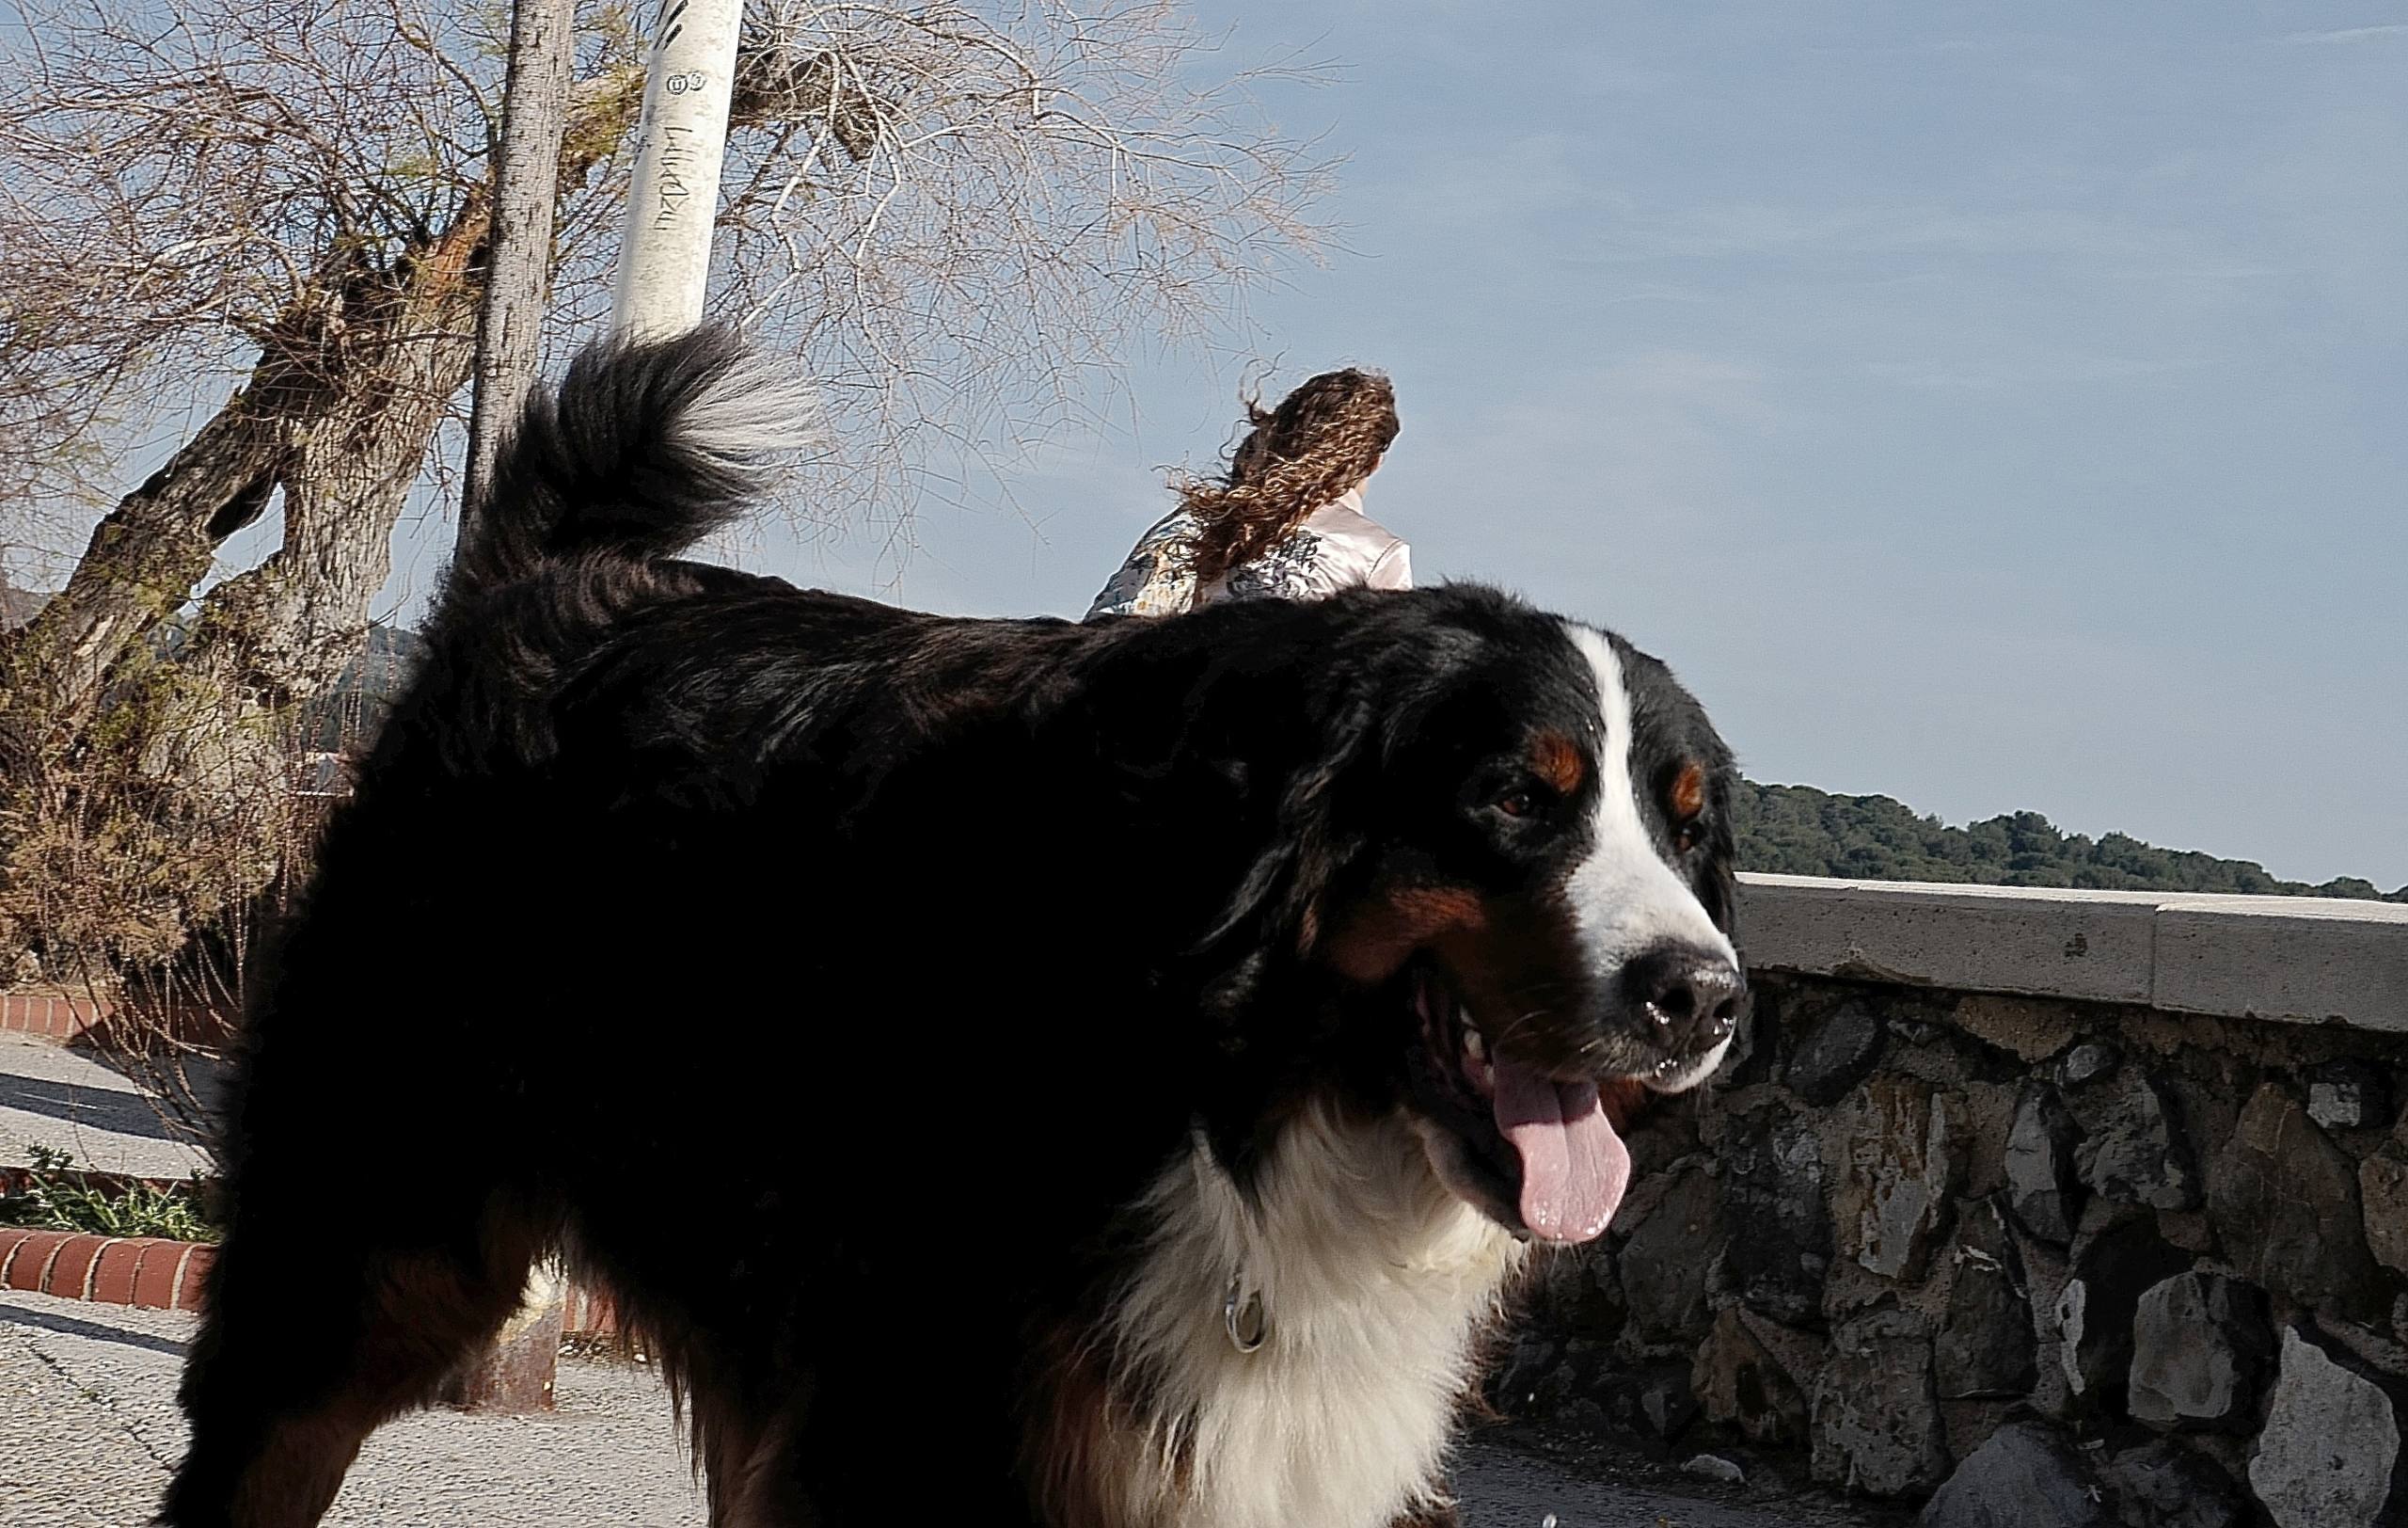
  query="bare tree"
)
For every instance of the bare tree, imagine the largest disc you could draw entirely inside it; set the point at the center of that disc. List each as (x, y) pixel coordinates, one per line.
(277, 214)
(948, 216)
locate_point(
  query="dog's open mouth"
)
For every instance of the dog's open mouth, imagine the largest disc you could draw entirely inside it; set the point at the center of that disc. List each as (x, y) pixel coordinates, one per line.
(1536, 1149)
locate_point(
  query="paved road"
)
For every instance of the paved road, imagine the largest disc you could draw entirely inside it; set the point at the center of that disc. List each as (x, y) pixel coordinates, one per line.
(1503, 1485)
(51, 1095)
(87, 1410)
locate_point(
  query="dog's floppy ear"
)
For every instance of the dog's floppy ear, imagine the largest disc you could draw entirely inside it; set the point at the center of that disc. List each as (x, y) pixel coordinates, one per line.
(1276, 909)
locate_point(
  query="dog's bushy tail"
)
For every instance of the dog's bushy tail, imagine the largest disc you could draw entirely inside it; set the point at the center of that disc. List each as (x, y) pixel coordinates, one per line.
(647, 448)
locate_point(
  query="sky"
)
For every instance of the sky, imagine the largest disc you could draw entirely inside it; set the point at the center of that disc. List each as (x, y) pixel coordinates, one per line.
(1999, 409)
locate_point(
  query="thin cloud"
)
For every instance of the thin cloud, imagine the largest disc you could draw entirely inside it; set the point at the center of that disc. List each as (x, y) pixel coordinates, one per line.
(2351, 34)
(1762, 229)
(2047, 370)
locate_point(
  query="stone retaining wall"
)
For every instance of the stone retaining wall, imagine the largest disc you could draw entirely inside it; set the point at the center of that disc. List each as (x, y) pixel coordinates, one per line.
(2106, 1262)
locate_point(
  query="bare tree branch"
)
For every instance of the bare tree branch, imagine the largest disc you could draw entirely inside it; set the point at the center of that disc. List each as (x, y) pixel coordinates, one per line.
(962, 216)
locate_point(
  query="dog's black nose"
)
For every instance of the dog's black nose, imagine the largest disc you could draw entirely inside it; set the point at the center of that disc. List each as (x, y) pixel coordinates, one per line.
(1689, 998)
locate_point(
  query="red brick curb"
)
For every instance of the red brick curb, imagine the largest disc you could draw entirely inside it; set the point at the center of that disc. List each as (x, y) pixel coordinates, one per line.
(82, 1021)
(58, 1017)
(145, 1271)
(154, 1274)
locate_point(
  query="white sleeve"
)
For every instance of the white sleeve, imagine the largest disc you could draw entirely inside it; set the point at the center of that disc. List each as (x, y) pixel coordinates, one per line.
(1394, 570)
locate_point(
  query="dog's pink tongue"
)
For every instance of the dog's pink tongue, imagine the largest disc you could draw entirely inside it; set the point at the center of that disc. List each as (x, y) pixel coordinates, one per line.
(1573, 1167)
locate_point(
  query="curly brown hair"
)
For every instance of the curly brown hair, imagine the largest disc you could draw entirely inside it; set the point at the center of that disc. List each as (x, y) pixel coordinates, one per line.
(1322, 440)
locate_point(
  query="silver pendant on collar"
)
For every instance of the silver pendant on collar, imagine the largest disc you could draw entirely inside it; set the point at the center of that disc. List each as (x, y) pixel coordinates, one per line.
(1242, 1314)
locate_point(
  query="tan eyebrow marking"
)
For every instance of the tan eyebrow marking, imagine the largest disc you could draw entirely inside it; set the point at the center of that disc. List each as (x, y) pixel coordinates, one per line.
(1557, 759)
(1687, 795)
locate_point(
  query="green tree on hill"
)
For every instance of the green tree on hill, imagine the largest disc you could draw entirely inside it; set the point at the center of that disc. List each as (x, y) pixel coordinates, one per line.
(1797, 830)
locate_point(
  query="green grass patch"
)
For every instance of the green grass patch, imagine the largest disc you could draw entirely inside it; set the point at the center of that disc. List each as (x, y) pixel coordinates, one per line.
(57, 1197)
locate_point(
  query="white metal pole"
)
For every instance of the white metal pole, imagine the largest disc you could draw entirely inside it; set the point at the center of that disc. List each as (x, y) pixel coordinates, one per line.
(665, 263)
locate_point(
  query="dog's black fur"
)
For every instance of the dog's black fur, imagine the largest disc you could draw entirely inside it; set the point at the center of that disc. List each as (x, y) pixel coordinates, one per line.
(829, 980)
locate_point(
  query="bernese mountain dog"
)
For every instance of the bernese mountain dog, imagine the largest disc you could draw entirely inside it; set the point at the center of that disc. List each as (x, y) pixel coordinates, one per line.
(1010, 1070)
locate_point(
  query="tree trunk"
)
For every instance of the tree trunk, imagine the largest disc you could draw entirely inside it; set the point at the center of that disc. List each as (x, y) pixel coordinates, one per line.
(138, 570)
(516, 1373)
(519, 269)
(281, 632)
(349, 390)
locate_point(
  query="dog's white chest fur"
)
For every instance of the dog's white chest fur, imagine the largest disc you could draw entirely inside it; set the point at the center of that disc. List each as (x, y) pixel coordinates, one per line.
(1374, 1283)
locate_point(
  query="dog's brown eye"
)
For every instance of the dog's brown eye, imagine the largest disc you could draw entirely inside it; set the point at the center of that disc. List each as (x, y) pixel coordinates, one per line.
(1686, 838)
(1516, 804)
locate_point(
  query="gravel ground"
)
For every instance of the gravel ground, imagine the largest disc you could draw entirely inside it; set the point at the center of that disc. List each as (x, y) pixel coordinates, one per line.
(51, 1095)
(87, 1392)
(88, 1410)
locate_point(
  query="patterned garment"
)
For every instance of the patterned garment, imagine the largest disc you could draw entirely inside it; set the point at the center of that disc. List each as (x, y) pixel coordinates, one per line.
(1154, 580)
(1336, 548)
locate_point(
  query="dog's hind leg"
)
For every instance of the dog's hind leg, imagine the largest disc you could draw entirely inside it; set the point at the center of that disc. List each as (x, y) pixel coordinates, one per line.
(312, 1335)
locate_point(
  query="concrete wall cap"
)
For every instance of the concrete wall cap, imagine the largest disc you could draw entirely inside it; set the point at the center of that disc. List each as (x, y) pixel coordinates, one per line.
(2295, 959)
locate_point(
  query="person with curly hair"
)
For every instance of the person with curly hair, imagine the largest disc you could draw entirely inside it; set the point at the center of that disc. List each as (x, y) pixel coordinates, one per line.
(1286, 521)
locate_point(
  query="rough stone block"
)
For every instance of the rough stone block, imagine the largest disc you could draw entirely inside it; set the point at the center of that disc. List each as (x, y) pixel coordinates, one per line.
(2190, 1229)
(1577, 1292)
(1553, 1379)
(1515, 1384)
(1776, 1224)
(2095, 1311)
(1654, 1405)
(2348, 1094)
(2087, 1062)
(2285, 1202)
(2383, 1193)
(2041, 1182)
(1905, 1162)
(2329, 1453)
(1667, 1404)
(1985, 1348)
(1716, 1468)
(2164, 1484)
(2046, 1273)
(2135, 1150)
(1875, 1410)
(1664, 1261)
(2033, 1030)
(1835, 1055)
(1741, 1385)
(2025, 1476)
(2200, 1344)
(1918, 1032)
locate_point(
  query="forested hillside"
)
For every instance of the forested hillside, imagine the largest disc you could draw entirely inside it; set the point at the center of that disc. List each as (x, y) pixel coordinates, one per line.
(1798, 830)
